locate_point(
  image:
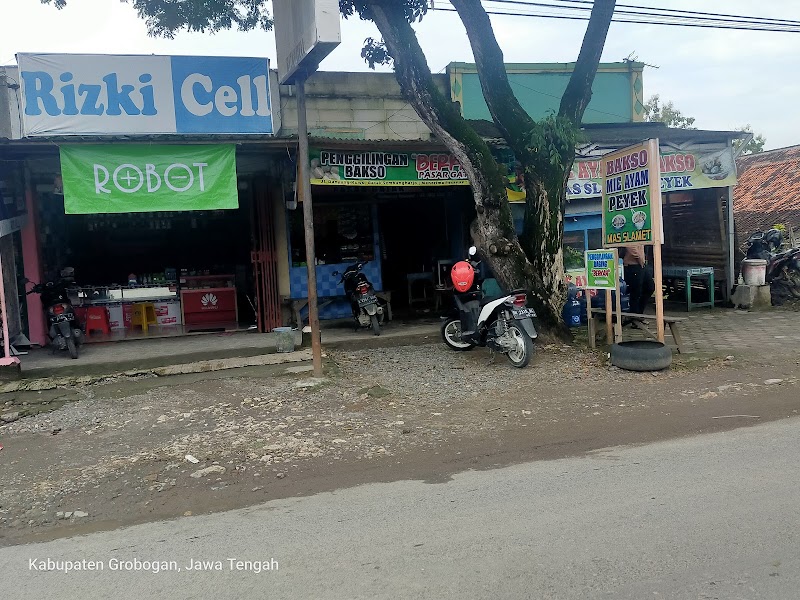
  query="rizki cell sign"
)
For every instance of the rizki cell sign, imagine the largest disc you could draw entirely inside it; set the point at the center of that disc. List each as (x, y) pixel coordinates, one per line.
(332, 167)
(64, 94)
(143, 178)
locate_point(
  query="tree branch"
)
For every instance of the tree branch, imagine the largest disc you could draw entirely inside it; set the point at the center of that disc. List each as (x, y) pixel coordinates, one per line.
(579, 89)
(514, 122)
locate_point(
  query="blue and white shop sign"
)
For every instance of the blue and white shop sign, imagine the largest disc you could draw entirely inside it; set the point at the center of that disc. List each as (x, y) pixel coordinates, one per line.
(92, 94)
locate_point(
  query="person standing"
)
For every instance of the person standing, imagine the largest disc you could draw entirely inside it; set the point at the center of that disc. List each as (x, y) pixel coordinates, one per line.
(638, 277)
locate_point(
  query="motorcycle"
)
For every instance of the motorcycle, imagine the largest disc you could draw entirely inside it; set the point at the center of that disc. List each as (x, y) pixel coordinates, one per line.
(503, 324)
(368, 309)
(783, 268)
(63, 328)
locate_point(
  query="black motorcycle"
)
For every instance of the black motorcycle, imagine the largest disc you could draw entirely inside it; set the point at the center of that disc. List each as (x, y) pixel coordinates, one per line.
(368, 309)
(503, 324)
(783, 267)
(63, 328)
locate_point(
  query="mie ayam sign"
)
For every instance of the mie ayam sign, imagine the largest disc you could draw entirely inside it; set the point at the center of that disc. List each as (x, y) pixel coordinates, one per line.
(142, 178)
(632, 195)
(85, 94)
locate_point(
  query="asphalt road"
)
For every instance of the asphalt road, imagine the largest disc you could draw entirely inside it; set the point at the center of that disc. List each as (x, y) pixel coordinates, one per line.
(714, 516)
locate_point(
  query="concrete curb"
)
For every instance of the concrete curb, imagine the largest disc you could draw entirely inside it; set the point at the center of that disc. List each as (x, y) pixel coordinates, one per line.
(205, 366)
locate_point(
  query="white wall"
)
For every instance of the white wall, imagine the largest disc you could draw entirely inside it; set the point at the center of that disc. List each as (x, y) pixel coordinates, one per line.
(366, 106)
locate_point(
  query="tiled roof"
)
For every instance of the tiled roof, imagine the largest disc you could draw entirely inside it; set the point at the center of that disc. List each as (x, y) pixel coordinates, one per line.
(767, 191)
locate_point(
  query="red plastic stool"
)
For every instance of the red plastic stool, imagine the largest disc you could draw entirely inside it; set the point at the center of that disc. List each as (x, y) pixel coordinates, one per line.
(97, 319)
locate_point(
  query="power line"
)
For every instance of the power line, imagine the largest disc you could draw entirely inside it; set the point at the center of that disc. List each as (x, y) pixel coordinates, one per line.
(643, 18)
(649, 9)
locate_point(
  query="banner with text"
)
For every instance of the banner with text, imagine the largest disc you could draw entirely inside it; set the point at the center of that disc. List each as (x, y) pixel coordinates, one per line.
(141, 178)
(631, 196)
(349, 167)
(679, 172)
(99, 94)
(602, 269)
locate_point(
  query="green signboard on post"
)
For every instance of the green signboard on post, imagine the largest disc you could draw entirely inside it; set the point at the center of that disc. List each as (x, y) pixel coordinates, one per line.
(602, 269)
(632, 195)
(140, 178)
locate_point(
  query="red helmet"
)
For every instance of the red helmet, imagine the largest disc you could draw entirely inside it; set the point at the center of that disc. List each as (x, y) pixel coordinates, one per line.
(462, 275)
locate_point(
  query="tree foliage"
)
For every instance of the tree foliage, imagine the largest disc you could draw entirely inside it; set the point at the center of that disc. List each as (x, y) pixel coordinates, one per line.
(754, 145)
(666, 113)
(164, 18)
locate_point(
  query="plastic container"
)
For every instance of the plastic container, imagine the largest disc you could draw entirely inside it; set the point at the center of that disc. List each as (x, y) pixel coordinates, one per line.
(754, 271)
(284, 339)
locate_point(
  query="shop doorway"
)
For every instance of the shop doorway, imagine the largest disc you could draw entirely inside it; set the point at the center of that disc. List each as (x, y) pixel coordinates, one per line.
(423, 231)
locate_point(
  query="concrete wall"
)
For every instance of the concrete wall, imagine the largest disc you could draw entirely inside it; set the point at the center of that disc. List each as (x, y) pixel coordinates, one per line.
(362, 106)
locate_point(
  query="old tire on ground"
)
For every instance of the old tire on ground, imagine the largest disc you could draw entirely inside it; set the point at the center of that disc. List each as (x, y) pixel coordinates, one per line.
(641, 355)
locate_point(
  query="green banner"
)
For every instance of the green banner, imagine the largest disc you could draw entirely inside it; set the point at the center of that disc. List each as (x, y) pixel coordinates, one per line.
(140, 178)
(351, 167)
(601, 269)
(631, 195)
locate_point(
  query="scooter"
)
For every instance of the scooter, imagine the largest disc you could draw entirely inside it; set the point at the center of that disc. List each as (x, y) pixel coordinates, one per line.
(783, 268)
(368, 309)
(502, 324)
(63, 328)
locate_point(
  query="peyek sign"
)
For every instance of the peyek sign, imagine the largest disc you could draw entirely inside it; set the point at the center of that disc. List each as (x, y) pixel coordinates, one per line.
(82, 94)
(143, 178)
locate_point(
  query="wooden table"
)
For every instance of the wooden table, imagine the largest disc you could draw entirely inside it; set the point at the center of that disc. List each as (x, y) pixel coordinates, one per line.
(687, 273)
(638, 322)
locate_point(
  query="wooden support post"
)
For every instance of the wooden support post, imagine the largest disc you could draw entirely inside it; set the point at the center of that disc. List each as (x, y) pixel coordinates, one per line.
(304, 180)
(609, 318)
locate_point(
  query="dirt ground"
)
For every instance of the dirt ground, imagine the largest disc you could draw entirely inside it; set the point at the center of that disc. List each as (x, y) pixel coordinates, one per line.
(129, 451)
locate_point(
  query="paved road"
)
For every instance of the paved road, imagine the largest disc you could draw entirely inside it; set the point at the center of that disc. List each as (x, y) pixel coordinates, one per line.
(707, 517)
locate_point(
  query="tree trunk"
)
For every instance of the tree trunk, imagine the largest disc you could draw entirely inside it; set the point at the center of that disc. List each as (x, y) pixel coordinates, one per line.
(494, 232)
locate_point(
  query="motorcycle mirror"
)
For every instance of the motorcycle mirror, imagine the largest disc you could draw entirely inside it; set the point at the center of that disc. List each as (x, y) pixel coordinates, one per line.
(473, 250)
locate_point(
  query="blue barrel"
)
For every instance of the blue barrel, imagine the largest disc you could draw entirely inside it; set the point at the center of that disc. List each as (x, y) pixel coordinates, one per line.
(572, 309)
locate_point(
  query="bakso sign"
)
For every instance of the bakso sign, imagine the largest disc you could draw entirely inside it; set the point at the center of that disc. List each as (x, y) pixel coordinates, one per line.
(142, 178)
(334, 167)
(80, 94)
(632, 195)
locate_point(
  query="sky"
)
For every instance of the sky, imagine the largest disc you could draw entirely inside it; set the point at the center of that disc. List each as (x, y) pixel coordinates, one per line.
(725, 79)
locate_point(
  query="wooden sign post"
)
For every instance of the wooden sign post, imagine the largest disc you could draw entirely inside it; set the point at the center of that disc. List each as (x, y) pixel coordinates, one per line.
(602, 273)
(632, 207)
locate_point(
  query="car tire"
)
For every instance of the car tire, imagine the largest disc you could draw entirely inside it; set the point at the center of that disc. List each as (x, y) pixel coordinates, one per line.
(641, 355)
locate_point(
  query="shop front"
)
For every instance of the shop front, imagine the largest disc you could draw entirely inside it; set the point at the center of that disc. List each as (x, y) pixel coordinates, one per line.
(135, 187)
(156, 235)
(404, 214)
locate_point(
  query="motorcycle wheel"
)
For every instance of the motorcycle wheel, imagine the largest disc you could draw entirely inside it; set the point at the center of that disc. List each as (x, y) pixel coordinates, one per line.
(376, 326)
(521, 355)
(451, 334)
(793, 282)
(72, 348)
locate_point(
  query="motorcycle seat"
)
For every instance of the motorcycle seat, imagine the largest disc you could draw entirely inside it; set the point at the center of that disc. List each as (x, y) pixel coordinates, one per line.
(488, 299)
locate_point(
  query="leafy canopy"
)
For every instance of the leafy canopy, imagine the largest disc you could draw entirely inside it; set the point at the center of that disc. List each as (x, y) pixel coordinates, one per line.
(666, 113)
(164, 18)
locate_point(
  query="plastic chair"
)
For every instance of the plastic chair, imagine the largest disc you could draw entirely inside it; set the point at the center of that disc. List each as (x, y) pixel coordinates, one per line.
(97, 320)
(143, 314)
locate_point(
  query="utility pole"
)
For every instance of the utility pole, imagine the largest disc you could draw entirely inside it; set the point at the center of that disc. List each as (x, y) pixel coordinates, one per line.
(304, 181)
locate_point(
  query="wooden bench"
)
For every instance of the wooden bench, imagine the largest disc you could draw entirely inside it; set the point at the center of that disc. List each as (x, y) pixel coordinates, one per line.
(298, 304)
(638, 321)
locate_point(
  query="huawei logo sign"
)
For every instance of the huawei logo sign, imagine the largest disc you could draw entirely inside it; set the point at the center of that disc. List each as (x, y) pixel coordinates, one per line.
(209, 301)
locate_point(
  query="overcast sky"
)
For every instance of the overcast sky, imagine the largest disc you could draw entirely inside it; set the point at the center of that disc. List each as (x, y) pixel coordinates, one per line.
(723, 78)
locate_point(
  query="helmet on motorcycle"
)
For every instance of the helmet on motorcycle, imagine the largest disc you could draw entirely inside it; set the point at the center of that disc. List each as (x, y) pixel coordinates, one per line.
(774, 237)
(462, 275)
